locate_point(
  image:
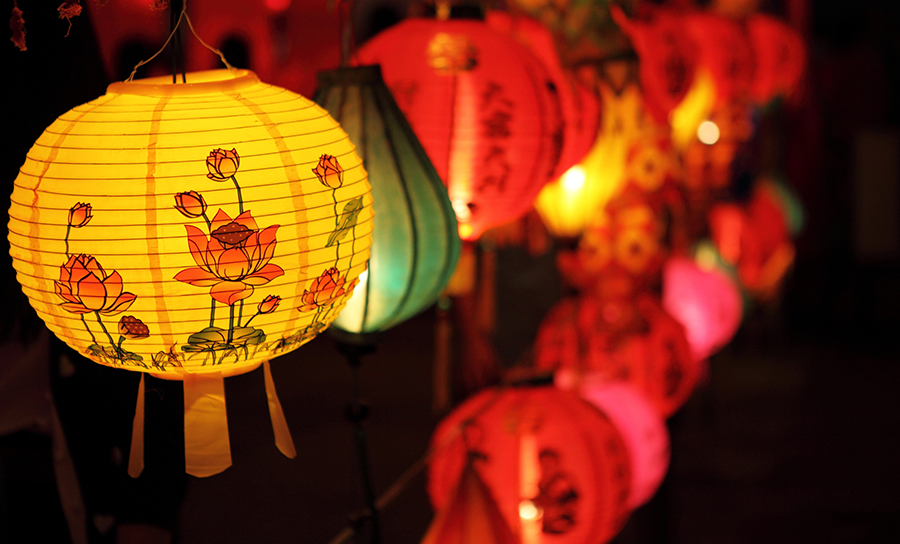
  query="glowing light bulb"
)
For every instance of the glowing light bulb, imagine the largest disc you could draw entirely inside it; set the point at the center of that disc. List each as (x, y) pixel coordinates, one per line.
(706, 257)
(465, 231)
(528, 510)
(708, 132)
(573, 179)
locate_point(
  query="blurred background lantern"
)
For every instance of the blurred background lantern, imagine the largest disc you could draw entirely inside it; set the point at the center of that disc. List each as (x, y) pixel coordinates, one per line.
(723, 50)
(557, 467)
(630, 339)
(754, 237)
(568, 204)
(642, 429)
(415, 243)
(191, 231)
(705, 299)
(481, 104)
(668, 58)
(470, 514)
(780, 56)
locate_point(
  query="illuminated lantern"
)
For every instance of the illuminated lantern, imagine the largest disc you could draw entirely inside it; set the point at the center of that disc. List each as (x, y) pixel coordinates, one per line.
(580, 108)
(780, 56)
(723, 50)
(629, 340)
(568, 205)
(643, 430)
(415, 243)
(668, 57)
(470, 514)
(191, 231)
(704, 299)
(479, 103)
(557, 467)
(754, 237)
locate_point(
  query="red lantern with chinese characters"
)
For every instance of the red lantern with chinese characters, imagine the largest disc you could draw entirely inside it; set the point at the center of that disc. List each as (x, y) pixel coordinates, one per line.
(580, 107)
(704, 299)
(479, 103)
(630, 340)
(557, 467)
(780, 56)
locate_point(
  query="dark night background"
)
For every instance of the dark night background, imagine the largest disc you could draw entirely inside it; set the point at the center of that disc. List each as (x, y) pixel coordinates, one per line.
(793, 439)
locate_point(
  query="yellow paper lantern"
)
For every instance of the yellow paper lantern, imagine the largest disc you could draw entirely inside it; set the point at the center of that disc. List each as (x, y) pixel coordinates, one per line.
(191, 231)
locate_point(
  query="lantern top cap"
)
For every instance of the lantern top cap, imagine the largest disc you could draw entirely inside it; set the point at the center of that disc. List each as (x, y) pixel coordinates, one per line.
(199, 83)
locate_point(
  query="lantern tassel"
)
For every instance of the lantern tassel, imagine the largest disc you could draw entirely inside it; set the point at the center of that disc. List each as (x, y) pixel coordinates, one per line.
(283, 440)
(136, 453)
(207, 449)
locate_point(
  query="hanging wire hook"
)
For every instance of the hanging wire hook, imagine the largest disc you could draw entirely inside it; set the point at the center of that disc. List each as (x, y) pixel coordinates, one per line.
(182, 15)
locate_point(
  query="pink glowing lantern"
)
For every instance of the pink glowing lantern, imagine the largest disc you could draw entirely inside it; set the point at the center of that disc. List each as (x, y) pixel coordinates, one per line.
(642, 428)
(705, 300)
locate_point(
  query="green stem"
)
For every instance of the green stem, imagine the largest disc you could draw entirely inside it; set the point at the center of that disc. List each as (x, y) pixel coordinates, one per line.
(208, 222)
(230, 323)
(240, 199)
(247, 324)
(212, 313)
(119, 346)
(94, 340)
(102, 326)
(241, 313)
(337, 221)
(68, 230)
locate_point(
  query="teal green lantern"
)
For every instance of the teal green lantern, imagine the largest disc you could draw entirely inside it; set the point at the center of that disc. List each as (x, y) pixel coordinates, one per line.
(415, 243)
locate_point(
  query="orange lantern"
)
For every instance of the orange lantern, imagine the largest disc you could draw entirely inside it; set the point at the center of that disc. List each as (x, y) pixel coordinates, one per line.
(557, 467)
(630, 340)
(191, 231)
(479, 103)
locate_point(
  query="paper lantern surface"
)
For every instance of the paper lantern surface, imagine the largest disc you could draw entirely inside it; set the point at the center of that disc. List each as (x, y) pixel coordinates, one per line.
(643, 430)
(479, 103)
(470, 515)
(556, 465)
(415, 243)
(190, 228)
(705, 300)
(629, 340)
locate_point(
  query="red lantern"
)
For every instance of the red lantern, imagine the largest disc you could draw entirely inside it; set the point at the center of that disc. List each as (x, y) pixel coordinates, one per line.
(705, 300)
(479, 103)
(724, 50)
(668, 57)
(620, 340)
(580, 107)
(643, 430)
(780, 56)
(556, 465)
